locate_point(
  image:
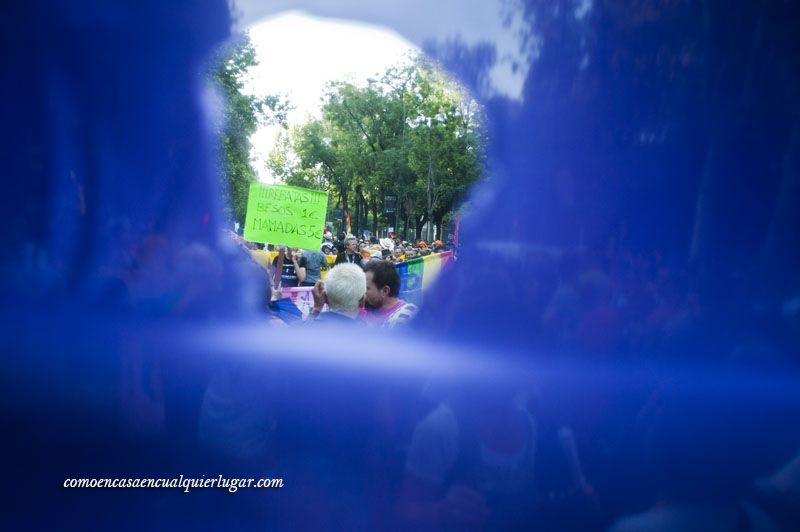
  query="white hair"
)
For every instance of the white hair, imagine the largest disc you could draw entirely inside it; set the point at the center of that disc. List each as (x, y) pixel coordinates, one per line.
(345, 285)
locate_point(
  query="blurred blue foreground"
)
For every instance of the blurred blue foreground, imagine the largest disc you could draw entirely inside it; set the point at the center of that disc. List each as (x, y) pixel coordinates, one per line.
(616, 346)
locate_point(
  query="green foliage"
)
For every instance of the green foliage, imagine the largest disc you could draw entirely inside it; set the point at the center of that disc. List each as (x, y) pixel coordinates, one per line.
(241, 117)
(412, 133)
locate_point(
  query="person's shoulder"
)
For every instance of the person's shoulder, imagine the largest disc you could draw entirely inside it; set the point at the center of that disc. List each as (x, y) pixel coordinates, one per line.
(403, 314)
(407, 311)
(408, 306)
(334, 322)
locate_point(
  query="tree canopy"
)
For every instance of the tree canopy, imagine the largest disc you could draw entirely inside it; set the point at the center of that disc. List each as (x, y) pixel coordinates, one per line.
(242, 114)
(411, 133)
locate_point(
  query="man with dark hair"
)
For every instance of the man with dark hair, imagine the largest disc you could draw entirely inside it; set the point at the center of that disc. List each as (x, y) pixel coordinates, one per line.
(384, 306)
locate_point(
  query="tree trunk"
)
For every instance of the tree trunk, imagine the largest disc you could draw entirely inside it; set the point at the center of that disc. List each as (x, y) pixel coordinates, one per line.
(374, 215)
(345, 208)
(361, 212)
(429, 194)
(355, 221)
(439, 227)
(420, 223)
(408, 206)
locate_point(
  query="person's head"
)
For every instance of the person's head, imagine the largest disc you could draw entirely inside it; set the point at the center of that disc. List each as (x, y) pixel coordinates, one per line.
(351, 244)
(345, 285)
(362, 246)
(327, 248)
(398, 252)
(411, 253)
(383, 282)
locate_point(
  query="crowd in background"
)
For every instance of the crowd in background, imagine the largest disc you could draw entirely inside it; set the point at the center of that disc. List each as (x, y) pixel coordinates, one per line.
(389, 248)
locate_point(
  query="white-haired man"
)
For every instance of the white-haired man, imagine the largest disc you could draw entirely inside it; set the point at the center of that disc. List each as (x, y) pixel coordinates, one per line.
(343, 291)
(351, 255)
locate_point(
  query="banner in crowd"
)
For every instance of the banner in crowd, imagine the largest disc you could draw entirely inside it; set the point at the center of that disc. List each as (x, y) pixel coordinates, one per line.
(285, 215)
(417, 274)
(301, 297)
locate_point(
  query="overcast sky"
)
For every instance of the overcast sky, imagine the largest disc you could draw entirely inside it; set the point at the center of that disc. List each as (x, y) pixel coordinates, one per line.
(298, 54)
(499, 24)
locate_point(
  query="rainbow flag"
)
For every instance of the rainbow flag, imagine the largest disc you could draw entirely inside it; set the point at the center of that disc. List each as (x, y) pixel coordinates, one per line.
(419, 273)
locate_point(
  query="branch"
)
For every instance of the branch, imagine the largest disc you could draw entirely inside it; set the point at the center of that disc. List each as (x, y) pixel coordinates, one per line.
(361, 127)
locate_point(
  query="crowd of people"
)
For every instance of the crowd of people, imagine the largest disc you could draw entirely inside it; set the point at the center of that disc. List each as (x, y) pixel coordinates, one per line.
(348, 248)
(367, 289)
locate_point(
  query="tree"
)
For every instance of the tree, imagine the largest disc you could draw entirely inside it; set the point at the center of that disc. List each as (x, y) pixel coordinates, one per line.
(284, 165)
(411, 133)
(241, 117)
(446, 148)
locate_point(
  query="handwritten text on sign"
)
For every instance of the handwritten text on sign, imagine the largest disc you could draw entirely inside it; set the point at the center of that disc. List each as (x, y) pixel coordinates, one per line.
(291, 216)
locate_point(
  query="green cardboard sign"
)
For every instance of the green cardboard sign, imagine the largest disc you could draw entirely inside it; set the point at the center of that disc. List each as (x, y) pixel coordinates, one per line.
(290, 216)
